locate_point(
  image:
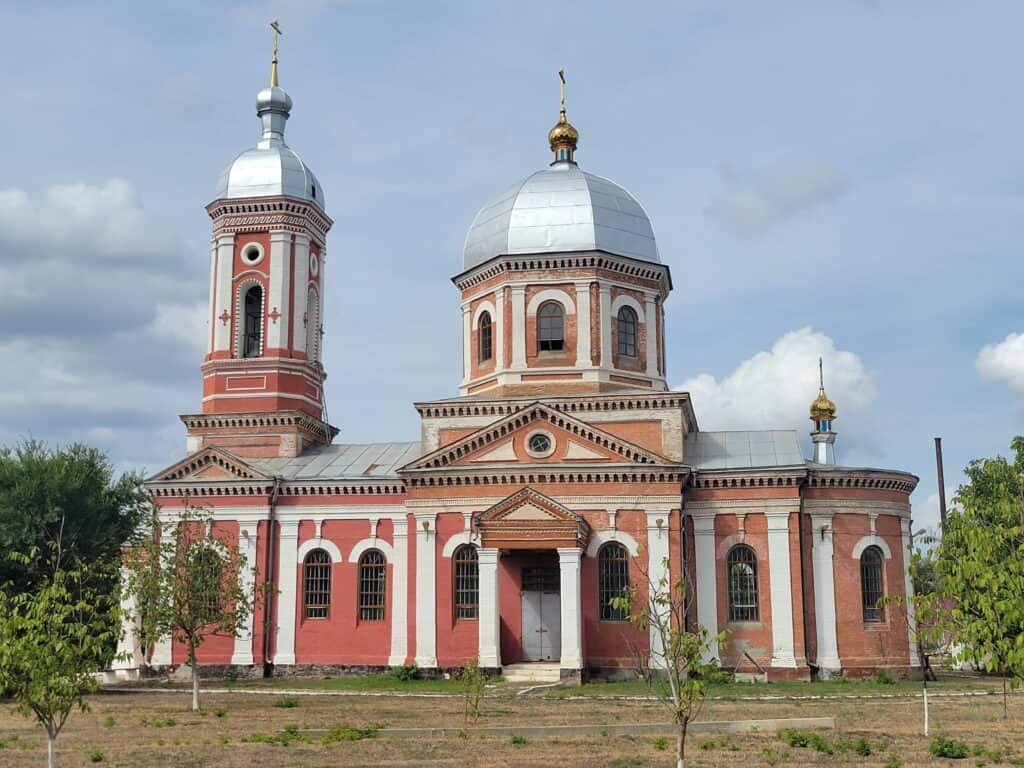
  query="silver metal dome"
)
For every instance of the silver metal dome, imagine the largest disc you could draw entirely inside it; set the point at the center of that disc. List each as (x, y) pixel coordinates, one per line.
(561, 209)
(271, 168)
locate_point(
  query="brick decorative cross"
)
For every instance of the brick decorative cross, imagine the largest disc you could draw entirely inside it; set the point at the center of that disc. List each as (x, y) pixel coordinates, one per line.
(224, 317)
(274, 315)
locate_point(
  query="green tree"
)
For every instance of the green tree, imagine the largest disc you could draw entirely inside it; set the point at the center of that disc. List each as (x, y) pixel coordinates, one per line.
(53, 641)
(67, 506)
(678, 667)
(185, 579)
(979, 568)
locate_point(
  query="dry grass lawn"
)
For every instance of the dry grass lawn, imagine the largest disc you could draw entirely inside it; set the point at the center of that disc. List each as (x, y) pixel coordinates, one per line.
(157, 729)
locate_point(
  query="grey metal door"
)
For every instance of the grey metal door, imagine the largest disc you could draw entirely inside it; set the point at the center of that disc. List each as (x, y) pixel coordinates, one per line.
(542, 616)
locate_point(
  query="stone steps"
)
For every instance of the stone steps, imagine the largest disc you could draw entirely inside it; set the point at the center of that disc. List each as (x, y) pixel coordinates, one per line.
(532, 672)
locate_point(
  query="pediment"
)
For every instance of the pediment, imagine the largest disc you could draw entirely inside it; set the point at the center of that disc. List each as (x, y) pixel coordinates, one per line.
(530, 520)
(209, 464)
(505, 442)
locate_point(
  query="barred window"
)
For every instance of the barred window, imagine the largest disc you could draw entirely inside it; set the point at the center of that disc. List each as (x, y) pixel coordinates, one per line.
(485, 338)
(871, 589)
(467, 582)
(252, 322)
(372, 585)
(627, 332)
(316, 581)
(205, 596)
(742, 564)
(550, 326)
(612, 580)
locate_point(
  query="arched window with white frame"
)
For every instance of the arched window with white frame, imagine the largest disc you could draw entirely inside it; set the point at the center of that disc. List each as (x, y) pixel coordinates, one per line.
(550, 327)
(466, 582)
(316, 584)
(626, 325)
(872, 586)
(251, 341)
(742, 564)
(485, 338)
(372, 585)
(312, 325)
(612, 581)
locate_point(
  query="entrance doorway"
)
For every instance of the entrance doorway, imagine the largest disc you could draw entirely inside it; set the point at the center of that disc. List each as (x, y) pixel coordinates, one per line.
(542, 613)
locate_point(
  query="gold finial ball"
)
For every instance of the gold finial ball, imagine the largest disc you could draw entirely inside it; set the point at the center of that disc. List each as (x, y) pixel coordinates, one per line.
(822, 407)
(563, 135)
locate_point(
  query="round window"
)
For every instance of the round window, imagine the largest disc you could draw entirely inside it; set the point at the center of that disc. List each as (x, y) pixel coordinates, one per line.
(252, 254)
(539, 444)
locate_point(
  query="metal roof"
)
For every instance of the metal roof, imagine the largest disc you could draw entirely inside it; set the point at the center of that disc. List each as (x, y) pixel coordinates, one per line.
(557, 210)
(343, 461)
(743, 449)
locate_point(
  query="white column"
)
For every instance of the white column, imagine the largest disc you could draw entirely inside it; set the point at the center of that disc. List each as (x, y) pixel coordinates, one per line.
(583, 325)
(278, 297)
(242, 653)
(129, 656)
(426, 590)
(300, 293)
(658, 573)
(490, 611)
(399, 594)
(499, 329)
(781, 585)
(824, 593)
(651, 324)
(518, 326)
(467, 344)
(212, 318)
(707, 577)
(908, 587)
(287, 577)
(223, 310)
(572, 614)
(605, 304)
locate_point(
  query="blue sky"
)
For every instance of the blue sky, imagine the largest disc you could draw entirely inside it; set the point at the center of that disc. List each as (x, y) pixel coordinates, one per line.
(824, 178)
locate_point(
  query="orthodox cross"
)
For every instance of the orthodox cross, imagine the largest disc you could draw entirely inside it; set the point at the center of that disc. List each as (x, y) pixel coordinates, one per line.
(561, 76)
(821, 375)
(274, 315)
(273, 66)
(224, 317)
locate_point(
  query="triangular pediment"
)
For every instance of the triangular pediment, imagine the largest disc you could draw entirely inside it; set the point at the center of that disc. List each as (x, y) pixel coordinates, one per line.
(505, 441)
(529, 519)
(209, 464)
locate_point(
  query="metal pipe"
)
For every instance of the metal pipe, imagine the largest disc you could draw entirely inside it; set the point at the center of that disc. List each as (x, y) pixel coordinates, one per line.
(269, 597)
(942, 485)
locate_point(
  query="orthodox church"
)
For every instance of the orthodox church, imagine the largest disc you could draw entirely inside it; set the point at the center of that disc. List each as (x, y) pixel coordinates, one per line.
(563, 473)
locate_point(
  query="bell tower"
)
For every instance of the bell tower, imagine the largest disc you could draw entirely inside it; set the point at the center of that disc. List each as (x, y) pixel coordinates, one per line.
(262, 375)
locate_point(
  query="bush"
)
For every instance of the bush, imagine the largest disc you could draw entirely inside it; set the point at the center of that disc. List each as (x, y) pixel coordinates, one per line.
(801, 739)
(224, 739)
(713, 743)
(660, 742)
(882, 677)
(96, 756)
(283, 738)
(159, 722)
(406, 673)
(717, 676)
(894, 762)
(861, 747)
(287, 702)
(220, 712)
(108, 722)
(951, 748)
(347, 732)
(518, 739)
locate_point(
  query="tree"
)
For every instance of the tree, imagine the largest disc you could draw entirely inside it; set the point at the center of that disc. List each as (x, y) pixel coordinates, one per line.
(53, 641)
(186, 585)
(979, 568)
(678, 666)
(65, 506)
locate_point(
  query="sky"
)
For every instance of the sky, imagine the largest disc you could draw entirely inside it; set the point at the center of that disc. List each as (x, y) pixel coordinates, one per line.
(833, 178)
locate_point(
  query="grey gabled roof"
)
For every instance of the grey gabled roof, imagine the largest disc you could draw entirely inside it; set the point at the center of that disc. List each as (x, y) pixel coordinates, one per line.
(343, 461)
(743, 449)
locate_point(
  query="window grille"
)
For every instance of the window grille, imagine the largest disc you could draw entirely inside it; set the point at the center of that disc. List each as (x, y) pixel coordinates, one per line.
(550, 327)
(742, 564)
(372, 585)
(253, 317)
(316, 579)
(541, 579)
(871, 587)
(485, 337)
(613, 580)
(627, 332)
(467, 582)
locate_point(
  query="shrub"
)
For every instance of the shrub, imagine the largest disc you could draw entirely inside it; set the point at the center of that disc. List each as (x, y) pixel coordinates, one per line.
(795, 738)
(224, 739)
(951, 748)
(108, 721)
(159, 722)
(347, 732)
(717, 676)
(979, 750)
(220, 712)
(861, 747)
(406, 673)
(518, 739)
(713, 743)
(286, 702)
(473, 683)
(894, 762)
(283, 738)
(659, 742)
(96, 756)
(882, 677)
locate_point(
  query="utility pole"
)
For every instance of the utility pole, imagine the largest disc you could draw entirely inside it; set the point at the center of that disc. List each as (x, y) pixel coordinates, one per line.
(942, 486)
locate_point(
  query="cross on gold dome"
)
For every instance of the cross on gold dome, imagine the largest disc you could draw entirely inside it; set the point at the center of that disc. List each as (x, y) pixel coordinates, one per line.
(822, 407)
(563, 137)
(273, 64)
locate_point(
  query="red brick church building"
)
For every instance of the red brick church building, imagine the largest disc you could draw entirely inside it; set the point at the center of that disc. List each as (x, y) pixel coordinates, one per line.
(562, 472)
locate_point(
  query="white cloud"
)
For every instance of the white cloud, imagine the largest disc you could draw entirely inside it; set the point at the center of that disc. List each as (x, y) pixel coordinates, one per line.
(183, 323)
(773, 389)
(749, 204)
(1003, 361)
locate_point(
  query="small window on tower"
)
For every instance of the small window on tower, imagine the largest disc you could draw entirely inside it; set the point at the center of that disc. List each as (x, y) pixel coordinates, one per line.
(485, 338)
(251, 342)
(550, 327)
(312, 189)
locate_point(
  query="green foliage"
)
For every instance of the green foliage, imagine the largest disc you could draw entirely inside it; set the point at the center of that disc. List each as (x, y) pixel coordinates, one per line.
(220, 712)
(802, 739)
(882, 677)
(773, 756)
(860, 747)
(52, 642)
(406, 673)
(224, 739)
(108, 721)
(660, 742)
(288, 734)
(159, 722)
(96, 756)
(716, 742)
(894, 761)
(518, 739)
(287, 702)
(473, 681)
(942, 746)
(347, 732)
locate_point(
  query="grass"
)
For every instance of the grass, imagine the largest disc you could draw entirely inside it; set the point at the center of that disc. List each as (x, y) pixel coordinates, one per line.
(367, 683)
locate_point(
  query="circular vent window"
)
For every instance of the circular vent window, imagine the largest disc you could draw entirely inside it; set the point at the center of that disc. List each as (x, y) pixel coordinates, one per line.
(540, 444)
(252, 254)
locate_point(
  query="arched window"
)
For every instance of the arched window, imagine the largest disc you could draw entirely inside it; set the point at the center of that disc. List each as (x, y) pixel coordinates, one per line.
(253, 315)
(550, 327)
(466, 582)
(612, 580)
(627, 332)
(742, 564)
(372, 585)
(871, 586)
(316, 582)
(484, 337)
(312, 326)
(204, 599)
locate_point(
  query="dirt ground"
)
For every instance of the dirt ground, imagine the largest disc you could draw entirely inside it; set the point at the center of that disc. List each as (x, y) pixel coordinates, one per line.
(157, 729)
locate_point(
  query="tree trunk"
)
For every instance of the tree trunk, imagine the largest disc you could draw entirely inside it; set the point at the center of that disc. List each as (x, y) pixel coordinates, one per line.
(51, 751)
(681, 747)
(195, 677)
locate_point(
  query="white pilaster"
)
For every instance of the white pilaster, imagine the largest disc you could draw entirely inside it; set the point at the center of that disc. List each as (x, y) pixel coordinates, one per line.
(605, 306)
(908, 587)
(287, 580)
(242, 653)
(707, 577)
(657, 558)
(161, 652)
(467, 344)
(781, 585)
(399, 594)
(499, 329)
(222, 310)
(490, 613)
(128, 657)
(518, 326)
(279, 295)
(212, 317)
(426, 590)
(572, 614)
(651, 325)
(824, 593)
(583, 325)
(300, 293)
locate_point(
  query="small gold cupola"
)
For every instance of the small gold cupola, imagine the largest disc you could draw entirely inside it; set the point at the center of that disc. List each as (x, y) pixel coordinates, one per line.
(823, 410)
(563, 137)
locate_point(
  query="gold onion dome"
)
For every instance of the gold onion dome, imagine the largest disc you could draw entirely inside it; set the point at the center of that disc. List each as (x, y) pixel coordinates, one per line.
(822, 407)
(563, 137)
